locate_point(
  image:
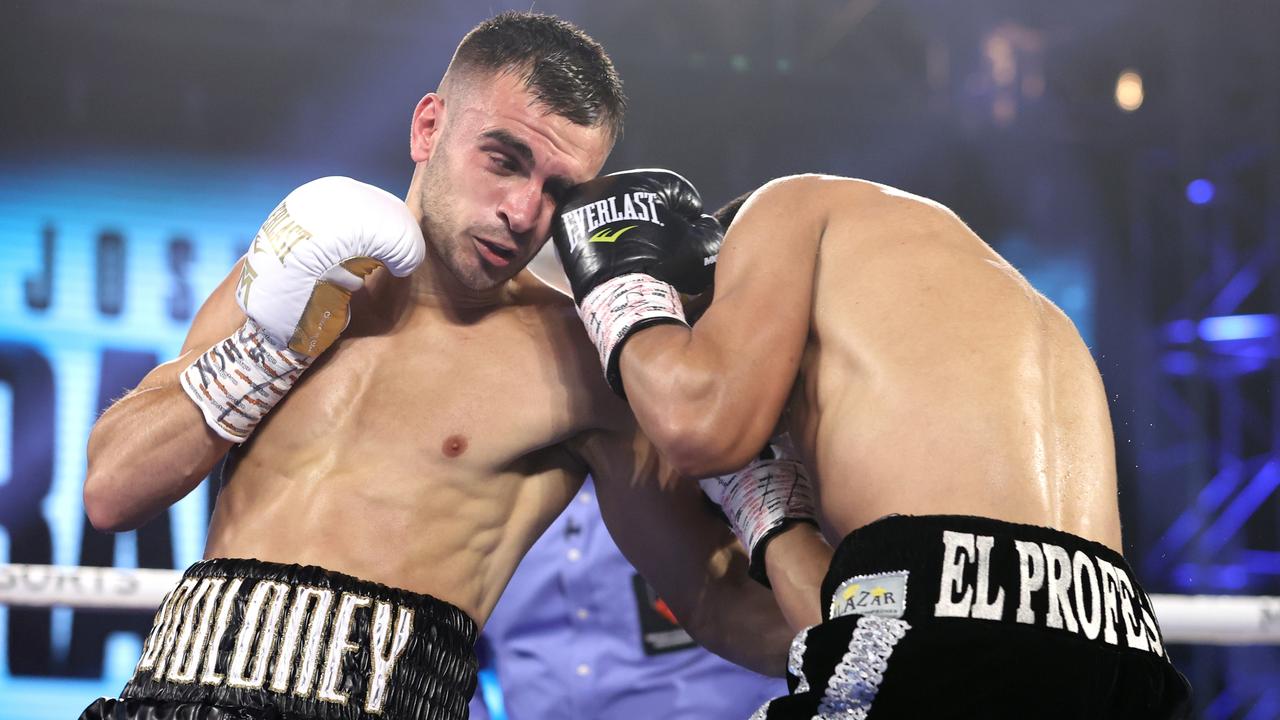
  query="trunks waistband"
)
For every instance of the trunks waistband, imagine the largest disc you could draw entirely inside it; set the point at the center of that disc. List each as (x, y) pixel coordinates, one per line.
(943, 568)
(307, 642)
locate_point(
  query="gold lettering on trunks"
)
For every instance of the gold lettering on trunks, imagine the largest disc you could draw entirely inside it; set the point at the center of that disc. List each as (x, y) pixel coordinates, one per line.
(300, 614)
(339, 645)
(384, 657)
(170, 633)
(210, 676)
(248, 633)
(186, 658)
(155, 640)
(315, 639)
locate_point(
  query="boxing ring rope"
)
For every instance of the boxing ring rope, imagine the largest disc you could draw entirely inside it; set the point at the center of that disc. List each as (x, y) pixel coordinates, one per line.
(1194, 619)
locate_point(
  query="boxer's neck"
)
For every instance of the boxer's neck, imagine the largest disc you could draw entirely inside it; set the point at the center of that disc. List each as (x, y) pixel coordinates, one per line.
(434, 285)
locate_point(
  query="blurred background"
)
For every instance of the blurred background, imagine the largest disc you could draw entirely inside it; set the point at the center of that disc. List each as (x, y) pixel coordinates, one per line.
(1124, 155)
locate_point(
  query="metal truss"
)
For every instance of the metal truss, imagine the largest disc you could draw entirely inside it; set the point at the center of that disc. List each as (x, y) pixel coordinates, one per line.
(1204, 460)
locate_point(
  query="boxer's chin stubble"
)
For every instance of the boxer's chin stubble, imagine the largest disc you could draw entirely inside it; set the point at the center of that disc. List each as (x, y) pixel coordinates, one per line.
(472, 272)
(456, 252)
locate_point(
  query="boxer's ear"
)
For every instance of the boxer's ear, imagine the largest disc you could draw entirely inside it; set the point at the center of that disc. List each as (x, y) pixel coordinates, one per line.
(425, 127)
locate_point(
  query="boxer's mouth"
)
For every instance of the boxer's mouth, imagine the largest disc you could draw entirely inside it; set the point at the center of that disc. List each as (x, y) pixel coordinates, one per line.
(495, 253)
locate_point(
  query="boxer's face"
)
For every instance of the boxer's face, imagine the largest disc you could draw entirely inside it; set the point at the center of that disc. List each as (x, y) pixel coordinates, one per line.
(494, 166)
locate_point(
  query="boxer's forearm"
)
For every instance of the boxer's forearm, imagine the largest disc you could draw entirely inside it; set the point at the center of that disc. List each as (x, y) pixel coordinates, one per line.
(146, 452)
(739, 620)
(689, 556)
(797, 560)
(697, 400)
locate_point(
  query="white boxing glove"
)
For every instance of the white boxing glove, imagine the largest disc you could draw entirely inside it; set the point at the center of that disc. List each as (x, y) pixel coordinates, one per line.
(764, 498)
(314, 250)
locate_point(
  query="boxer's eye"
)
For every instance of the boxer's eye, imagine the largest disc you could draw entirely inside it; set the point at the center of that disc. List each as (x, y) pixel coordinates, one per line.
(503, 162)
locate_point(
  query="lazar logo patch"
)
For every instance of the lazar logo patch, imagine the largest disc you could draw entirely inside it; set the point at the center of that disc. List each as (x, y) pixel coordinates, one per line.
(884, 595)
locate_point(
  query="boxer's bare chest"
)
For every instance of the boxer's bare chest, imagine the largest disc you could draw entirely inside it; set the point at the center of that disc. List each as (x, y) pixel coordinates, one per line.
(402, 454)
(436, 397)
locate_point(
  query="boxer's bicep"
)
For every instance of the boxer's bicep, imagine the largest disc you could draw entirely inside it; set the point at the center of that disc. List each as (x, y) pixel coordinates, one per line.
(759, 318)
(151, 447)
(711, 397)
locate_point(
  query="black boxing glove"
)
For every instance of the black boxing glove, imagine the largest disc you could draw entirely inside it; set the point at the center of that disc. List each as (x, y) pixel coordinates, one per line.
(629, 242)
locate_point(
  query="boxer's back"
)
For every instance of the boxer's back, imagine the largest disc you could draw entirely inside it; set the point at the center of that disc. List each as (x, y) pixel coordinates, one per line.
(936, 380)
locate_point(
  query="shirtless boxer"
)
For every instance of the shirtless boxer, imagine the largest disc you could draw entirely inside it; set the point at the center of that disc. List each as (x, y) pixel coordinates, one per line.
(954, 422)
(380, 493)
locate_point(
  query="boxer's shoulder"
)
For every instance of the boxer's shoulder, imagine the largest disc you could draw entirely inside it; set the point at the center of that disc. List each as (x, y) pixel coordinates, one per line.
(557, 316)
(544, 336)
(531, 291)
(820, 192)
(816, 186)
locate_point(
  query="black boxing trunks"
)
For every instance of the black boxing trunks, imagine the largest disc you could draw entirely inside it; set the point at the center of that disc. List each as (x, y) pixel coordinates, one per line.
(247, 640)
(966, 617)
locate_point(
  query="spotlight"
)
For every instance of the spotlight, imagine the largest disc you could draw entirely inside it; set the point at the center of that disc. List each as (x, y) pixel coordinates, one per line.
(1225, 328)
(1129, 93)
(1200, 191)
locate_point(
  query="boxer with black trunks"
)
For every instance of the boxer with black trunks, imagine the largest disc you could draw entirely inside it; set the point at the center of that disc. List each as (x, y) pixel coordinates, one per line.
(954, 423)
(387, 476)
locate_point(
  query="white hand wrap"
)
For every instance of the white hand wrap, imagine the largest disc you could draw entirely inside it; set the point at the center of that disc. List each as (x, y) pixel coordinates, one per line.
(618, 307)
(237, 381)
(760, 500)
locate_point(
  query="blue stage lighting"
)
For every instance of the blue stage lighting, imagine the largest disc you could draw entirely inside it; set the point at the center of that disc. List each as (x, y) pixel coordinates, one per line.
(491, 691)
(1180, 331)
(1200, 191)
(1180, 362)
(1238, 327)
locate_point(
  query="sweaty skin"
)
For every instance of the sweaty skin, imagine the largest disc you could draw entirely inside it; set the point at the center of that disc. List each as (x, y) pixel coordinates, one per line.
(917, 371)
(449, 425)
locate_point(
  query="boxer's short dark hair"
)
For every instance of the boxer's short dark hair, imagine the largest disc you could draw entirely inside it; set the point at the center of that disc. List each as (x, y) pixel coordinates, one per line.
(567, 71)
(726, 214)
